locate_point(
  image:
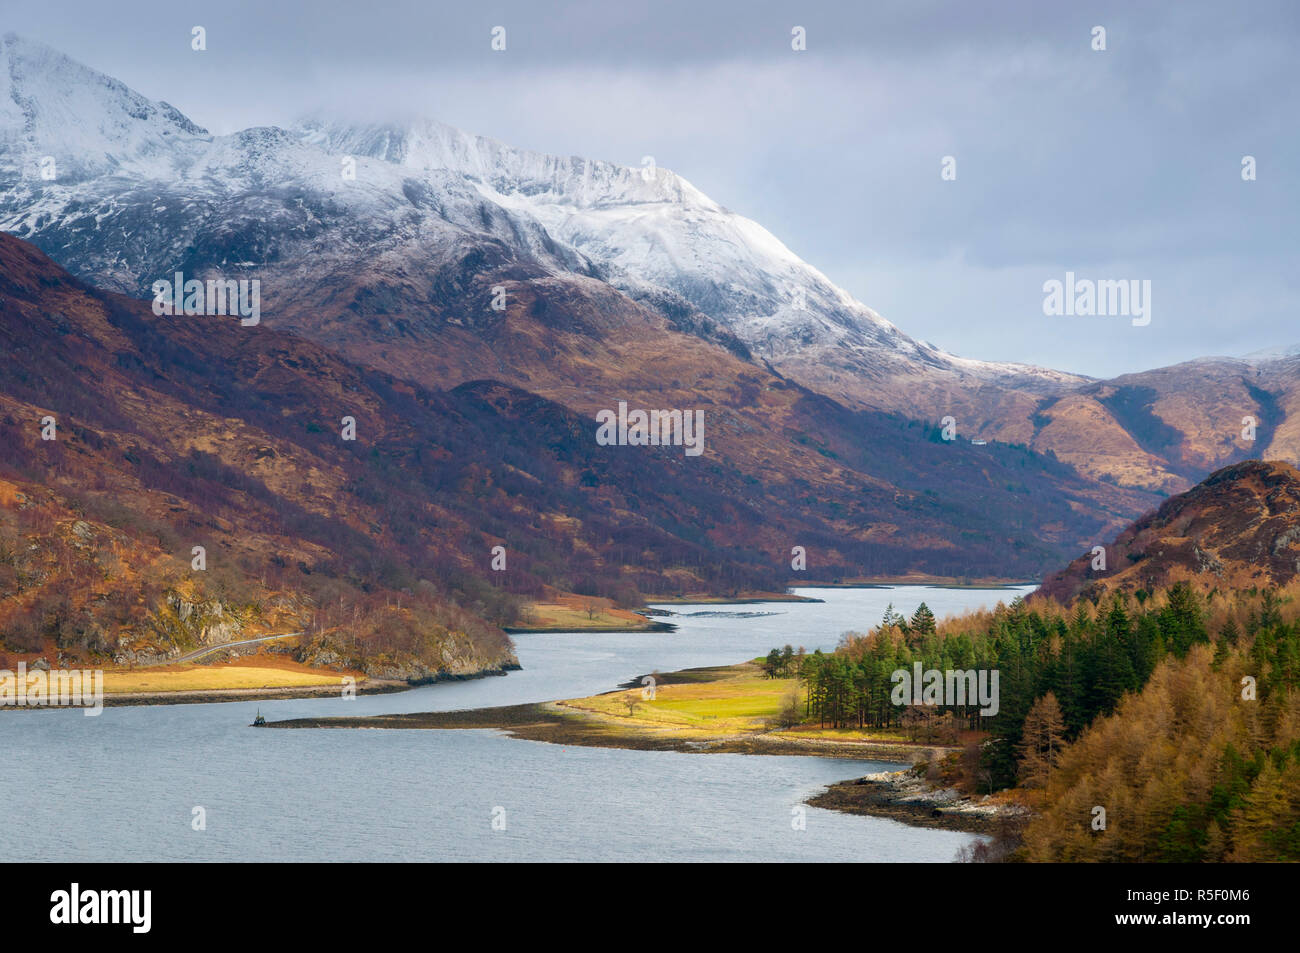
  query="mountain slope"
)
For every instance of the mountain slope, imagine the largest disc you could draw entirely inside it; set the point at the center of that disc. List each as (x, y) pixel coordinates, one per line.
(654, 236)
(483, 463)
(393, 245)
(1239, 528)
(429, 202)
(172, 432)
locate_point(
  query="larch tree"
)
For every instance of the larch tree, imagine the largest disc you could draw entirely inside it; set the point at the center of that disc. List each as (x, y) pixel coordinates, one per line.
(1042, 741)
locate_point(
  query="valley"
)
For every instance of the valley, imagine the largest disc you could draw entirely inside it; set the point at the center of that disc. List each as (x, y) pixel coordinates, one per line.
(246, 395)
(731, 433)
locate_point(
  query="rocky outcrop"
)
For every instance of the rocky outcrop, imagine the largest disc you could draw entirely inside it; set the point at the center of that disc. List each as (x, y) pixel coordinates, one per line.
(456, 658)
(908, 797)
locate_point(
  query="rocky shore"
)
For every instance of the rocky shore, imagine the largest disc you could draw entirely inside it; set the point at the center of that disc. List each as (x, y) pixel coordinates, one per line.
(903, 796)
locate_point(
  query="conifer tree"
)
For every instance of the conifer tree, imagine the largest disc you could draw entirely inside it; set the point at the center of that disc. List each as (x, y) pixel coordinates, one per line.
(923, 620)
(1260, 817)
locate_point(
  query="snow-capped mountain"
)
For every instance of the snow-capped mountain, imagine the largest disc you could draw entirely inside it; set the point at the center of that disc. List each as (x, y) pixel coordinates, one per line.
(1273, 354)
(653, 234)
(90, 124)
(662, 241)
(124, 190)
(387, 241)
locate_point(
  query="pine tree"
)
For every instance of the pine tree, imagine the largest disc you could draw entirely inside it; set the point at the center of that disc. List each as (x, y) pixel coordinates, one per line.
(1184, 619)
(923, 620)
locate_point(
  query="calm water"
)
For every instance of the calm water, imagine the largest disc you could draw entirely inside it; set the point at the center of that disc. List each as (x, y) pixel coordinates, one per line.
(123, 786)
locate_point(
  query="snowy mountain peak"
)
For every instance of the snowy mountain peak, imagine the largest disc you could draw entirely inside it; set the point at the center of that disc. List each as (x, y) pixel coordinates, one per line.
(1273, 354)
(426, 144)
(88, 123)
(653, 234)
(139, 187)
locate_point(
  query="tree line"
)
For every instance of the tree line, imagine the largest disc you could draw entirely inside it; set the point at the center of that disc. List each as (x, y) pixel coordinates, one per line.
(1086, 657)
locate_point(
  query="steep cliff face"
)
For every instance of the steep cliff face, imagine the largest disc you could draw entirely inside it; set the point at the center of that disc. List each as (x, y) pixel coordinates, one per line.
(1238, 529)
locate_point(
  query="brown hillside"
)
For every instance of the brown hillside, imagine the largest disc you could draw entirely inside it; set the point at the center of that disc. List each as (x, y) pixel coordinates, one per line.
(1239, 528)
(179, 431)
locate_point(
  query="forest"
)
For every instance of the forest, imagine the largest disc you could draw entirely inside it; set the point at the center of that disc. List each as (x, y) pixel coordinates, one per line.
(1174, 712)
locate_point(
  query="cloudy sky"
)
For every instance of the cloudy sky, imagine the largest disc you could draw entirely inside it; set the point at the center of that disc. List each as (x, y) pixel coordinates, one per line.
(1122, 164)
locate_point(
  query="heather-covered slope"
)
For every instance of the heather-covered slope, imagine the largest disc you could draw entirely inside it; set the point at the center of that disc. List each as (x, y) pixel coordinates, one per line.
(179, 431)
(246, 422)
(1238, 529)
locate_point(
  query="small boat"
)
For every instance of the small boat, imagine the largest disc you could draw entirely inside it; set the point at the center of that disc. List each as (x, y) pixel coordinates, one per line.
(259, 721)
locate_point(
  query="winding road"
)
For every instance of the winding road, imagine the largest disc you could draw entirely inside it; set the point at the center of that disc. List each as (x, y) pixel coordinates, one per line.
(209, 649)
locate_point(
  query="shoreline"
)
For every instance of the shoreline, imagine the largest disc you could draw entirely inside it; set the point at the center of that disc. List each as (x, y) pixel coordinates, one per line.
(925, 582)
(749, 599)
(371, 686)
(204, 696)
(900, 796)
(892, 795)
(649, 626)
(895, 794)
(554, 723)
(222, 695)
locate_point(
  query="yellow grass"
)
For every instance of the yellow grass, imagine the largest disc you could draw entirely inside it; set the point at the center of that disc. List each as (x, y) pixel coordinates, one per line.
(880, 735)
(211, 678)
(572, 614)
(740, 703)
(732, 701)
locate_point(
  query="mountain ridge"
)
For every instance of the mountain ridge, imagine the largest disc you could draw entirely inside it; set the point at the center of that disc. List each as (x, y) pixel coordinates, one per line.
(399, 268)
(767, 296)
